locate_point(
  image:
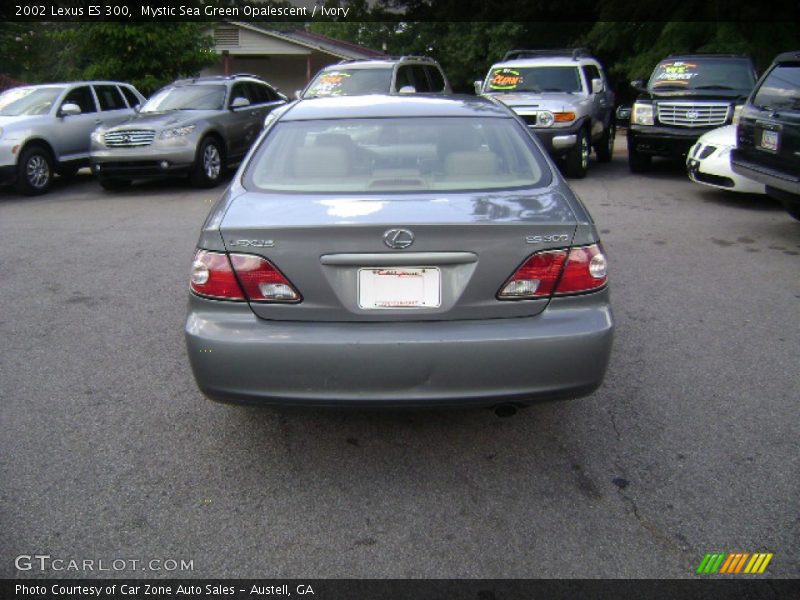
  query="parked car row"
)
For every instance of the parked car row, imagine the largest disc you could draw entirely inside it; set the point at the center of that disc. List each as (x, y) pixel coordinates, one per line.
(735, 133)
(198, 127)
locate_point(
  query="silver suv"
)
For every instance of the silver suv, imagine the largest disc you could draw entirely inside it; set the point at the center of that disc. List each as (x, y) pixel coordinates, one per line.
(390, 75)
(564, 98)
(45, 129)
(198, 127)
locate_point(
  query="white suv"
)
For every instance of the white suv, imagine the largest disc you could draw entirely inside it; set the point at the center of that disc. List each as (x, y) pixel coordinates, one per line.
(45, 129)
(390, 75)
(564, 98)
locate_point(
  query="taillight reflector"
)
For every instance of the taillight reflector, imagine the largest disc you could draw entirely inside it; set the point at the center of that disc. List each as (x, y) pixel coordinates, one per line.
(557, 272)
(261, 280)
(536, 277)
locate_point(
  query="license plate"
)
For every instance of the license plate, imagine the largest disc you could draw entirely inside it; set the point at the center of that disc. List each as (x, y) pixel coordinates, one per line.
(769, 140)
(399, 287)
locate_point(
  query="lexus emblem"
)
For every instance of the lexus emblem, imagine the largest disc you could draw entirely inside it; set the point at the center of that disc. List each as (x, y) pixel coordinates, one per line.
(398, 238)
(692, 115)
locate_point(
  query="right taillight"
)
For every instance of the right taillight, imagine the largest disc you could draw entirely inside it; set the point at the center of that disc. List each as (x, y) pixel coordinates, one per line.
(586, 270)
(240, 277)
(556, 272)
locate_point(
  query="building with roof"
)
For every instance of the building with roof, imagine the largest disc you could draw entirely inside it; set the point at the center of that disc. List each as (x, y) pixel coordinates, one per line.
(286, 59)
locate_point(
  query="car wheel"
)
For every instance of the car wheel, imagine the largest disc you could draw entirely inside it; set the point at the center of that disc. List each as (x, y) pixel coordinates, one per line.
(638, 162)
(209, 166)
(577, 162)
(605, 147)
(34, 171)
(113, 184)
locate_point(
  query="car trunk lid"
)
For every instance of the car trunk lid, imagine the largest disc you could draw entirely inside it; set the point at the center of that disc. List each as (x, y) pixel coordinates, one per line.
(333, 248)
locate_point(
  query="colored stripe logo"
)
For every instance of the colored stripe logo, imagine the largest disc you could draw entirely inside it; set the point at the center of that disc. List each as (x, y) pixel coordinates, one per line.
(734, 563)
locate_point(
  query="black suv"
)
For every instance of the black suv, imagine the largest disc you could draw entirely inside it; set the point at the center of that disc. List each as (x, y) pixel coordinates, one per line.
(768, 134)
(686, 96)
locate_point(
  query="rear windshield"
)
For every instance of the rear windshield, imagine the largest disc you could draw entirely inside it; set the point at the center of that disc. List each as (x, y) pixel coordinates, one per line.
(703, 74)
(396, 155)
(780, 89)
(350, 82)
(28, 101)
(534, 79)
(186, 97)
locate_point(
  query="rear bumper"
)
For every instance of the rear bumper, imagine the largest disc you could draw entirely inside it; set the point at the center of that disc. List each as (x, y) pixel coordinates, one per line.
(560, 353)
(663, 141)
(779, 180)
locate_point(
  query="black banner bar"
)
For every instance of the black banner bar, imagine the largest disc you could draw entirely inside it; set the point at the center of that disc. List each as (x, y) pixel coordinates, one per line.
(277, 11)
(394, 589)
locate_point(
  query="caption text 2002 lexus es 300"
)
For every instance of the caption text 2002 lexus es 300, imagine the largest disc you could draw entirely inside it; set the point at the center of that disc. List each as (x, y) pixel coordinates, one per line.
(398, 250)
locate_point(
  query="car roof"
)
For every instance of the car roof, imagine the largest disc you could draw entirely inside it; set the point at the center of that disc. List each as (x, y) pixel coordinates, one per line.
(384, 61)
(361, 64)
(404, 105)
(699, 56)
(66, 83)
(793, 56)
(546, 61)
(218, 79)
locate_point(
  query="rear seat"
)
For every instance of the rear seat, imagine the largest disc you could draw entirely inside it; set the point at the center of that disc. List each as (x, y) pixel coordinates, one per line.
(470, 163)
(320, 161)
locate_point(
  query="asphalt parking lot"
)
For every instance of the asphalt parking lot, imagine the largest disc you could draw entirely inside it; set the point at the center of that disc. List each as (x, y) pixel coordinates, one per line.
(108, 451)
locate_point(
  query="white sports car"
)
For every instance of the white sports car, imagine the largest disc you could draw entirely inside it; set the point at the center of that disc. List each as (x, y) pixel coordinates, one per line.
(709, 162)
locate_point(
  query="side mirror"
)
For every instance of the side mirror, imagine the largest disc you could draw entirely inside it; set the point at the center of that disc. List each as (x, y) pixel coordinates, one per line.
(239, 102)
(69, 109)
(407, 89)
(638, 85)
(597, 86)
(136, 107)
(478, 84)
(298, 94)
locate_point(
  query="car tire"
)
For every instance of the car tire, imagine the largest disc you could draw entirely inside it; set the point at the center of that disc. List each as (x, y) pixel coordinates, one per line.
(577, 161)
(113, 184)
(209, 164)
(34, 171)
(638, 162)
(605, 147)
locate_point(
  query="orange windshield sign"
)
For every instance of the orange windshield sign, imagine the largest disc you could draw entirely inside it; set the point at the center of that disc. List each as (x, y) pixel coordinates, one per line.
(505, 79)
(331, 78)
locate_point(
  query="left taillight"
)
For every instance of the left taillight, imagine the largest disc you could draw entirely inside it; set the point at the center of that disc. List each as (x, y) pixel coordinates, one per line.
(240, 277)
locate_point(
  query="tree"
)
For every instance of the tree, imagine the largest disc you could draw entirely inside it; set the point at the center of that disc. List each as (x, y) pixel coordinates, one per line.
(148, 55)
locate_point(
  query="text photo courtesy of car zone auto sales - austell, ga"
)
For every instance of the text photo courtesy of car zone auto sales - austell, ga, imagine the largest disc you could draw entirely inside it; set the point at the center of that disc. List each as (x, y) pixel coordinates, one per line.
(399, 299)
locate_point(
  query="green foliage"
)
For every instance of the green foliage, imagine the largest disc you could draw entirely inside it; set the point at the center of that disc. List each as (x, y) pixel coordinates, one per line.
(32, 52)
(148, 55)
(631, 49)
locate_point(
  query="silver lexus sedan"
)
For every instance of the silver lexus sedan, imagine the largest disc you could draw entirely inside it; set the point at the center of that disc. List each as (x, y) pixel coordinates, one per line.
(398, 251)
